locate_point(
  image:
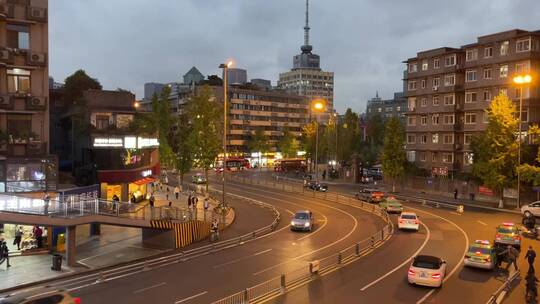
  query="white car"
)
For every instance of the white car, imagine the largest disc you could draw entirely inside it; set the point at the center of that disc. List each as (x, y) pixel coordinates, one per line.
(409, 221)
(531, 209)
(427, 270)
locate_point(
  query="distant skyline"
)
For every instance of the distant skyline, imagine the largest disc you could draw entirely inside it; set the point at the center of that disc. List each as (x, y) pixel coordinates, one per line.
(128, 43)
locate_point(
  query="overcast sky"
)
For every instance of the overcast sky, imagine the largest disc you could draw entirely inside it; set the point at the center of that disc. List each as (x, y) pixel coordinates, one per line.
(125, 43)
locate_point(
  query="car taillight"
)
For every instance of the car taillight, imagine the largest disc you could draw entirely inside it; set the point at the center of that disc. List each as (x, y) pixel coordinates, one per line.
(416, 222)
(497, 236)
(467, 256)
(436, 276)
(487, 259)
(77, 300)
(401, 221)
(411, 272)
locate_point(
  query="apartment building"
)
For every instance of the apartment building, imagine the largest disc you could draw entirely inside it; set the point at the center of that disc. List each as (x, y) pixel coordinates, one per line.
(25, 163)
(449, 89)
(387, 108)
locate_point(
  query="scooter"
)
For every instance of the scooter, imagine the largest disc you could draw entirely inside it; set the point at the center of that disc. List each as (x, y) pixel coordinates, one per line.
(530, 233)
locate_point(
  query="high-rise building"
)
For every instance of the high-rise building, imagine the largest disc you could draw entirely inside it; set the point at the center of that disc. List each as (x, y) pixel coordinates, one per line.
(25, 162)
(193, 76)
(386, 108)
(151, 88)
(262, 83)
(236, 76)
(449, 89)
(306, 77)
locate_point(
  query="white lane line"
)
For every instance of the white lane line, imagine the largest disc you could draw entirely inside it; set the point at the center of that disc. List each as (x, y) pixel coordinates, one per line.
(191, 298)
(149, 287)
(460, 261)
(241, 259)
(482, 223)
(408, 260)
(316, 231)
(453, 212)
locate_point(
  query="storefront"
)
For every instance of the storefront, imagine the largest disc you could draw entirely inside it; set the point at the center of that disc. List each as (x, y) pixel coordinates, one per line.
(28, 174)
(127, 183)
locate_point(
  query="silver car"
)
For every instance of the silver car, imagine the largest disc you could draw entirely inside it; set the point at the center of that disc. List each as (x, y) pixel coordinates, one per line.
(303, 221)
(531, 209)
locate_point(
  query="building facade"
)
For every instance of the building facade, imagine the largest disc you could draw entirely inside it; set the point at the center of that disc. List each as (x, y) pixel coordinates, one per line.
(193, 76)
(236, 76)
(449, 89)
(25, 162)
(306, 78)
(387, 108)
(151, 88)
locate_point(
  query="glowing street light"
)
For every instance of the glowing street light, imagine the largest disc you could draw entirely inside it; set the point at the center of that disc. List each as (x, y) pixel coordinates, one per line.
(317, 106)
(225, 67)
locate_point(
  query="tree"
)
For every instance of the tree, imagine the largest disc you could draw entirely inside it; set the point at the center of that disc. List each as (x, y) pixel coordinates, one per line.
(207, 127)
(349, 136)
(308, 139)
(495, 151)
(393, 156)
(181, 146)
(288, 145)
(259, 143)
(531, 172)
(76, 84)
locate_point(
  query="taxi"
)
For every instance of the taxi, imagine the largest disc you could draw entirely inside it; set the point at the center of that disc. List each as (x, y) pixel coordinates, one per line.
(391, 204)
(508, 234)
(481, 255)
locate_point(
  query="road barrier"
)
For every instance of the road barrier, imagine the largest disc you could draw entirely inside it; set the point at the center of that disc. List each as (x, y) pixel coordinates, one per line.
(498, 296)
(279, 285)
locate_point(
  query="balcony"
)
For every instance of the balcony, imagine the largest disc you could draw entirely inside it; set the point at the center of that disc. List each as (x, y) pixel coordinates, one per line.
(24, 148)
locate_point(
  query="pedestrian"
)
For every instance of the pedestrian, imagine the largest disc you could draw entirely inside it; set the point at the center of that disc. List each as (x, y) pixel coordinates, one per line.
(161, 185)
(38, 235)
(152, 200)
(214, 229)
(455, 193)
(530, 256)
(167, 189)
(170, 204)
(176, 191)
(4, 251)
(46, 202)
(18, 237)
(324, 174)
(167, 196)
(115, 198)
(189, 201)
(512, 255)
(133, 199)
(206, 203)
(195, 201)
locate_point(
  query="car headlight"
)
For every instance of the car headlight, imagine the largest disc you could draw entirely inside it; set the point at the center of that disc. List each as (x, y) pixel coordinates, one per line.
(292, 223)
(307, 224)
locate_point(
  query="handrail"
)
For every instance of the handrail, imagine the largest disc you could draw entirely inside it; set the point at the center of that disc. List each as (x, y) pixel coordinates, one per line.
(500, 293)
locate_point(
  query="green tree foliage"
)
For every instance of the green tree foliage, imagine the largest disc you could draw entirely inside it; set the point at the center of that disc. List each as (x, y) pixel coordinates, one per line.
(349, 136)
(76, 84)
(207, 128)
(393, 158)
(495, 151)
(181, 146)
(308, 139)
(288, 145)
(259, 143)
(531, 172)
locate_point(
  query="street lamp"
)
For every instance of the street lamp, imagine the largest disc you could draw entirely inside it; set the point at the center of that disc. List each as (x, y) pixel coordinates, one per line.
(520, 81)
(317, 106)
(337, 127)
(224, 66)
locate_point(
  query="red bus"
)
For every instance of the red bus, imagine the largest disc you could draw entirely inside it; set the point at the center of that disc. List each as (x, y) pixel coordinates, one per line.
(233, 164)
(290, 165)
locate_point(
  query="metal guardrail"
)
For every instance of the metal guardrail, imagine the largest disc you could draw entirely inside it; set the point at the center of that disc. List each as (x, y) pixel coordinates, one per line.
(278, 285)
(498, 296)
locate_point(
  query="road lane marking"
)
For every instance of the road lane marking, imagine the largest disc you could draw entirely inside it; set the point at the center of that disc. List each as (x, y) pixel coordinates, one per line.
(482, 223)
(241, 259)
(408, 260)
(453, 212)
(191, 298)
(316, 231)
(149, 287)
(460, 261)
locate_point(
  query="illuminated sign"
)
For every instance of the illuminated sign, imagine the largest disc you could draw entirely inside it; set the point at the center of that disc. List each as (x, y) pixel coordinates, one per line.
(108, 142)
(130, 142)
(146, 173)
(147, 142)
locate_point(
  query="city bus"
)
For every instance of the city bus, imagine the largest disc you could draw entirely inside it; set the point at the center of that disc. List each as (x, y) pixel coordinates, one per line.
(290, 165)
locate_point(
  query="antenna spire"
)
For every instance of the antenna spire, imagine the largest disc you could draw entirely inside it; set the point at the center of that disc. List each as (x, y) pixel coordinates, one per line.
(306, 27)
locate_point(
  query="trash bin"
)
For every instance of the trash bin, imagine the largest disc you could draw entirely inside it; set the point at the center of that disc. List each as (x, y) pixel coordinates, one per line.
(57, 262)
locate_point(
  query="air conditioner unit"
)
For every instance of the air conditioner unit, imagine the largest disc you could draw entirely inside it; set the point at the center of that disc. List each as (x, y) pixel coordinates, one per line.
(5, 55)
(37, 58)
(6, 10)
(35, 102)
(37, 13)
(5, 102)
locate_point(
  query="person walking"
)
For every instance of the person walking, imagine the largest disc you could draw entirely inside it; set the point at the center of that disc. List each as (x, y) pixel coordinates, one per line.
(324, 174)
(4, 251)
(214, 229)
(206, 204)
(46, 202)
(152, 200)
(38, 235)
(18, 237)
(189, 201)
(176, 191)
(530, 256)
(455, 193)
(512, 255)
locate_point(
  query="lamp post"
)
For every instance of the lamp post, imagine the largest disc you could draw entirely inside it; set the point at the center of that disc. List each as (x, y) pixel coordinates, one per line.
(337, 127)
(520, 80)
(317, 106)
(224, 66)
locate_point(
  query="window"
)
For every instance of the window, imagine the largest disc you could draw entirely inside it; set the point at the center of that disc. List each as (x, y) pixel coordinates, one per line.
(423, 139)
(487, 73)
(411, 139)
(522, 67)
(102, 122)
(379, 110)
(434, 157)
(435, 138)
(423, 84)
(390, 109)
(485, 117)
(470, 118)
(411, 103)
(18, 80)
(468, 158)
(488, 52)
(436, 63)
(411, 156)
(398, 109)
(18, 36)
(449, 100)
(525, 92)
(504, 48)
(436, 82)
(524, 115)
(468, 139)
(423, 102)
(423, 120)
(470, 75)
(423, 156)
(18, 124)
(487, 95)
(448, 158)
(435, 100)
(503, 91)
(470, 97)
(435, 119)
(503, 71)
(412, 85)
(411, 121)
(448, 139)
(449, 119)
(413, 67)
(450, 60)
(449, 80)
(424, 65)
(523, 45)
(471, 55)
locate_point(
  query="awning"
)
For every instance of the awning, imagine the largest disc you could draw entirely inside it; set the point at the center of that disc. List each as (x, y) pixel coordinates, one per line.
(144, 181)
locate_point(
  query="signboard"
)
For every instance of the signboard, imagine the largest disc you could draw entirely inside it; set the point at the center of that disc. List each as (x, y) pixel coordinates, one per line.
(442, 171)
(485, 190)
(147, 142)
(82, 192)
(510, 193)
(104, 142)
(128, 142)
